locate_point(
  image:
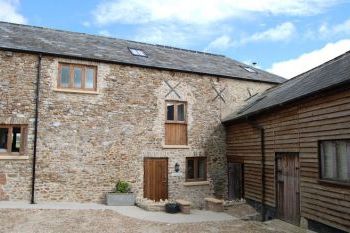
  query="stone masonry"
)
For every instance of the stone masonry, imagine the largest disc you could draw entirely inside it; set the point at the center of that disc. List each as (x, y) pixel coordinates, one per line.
(87, 142)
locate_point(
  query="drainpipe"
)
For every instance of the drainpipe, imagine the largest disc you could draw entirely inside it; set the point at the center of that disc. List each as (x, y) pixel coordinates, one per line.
(36, 127)
(263, 177)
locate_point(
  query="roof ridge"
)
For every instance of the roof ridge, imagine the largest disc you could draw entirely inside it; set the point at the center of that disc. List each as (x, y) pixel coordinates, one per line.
(189, 50)
(114, 38)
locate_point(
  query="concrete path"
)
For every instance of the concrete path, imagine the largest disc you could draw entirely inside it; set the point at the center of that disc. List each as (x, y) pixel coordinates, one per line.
(130, 211)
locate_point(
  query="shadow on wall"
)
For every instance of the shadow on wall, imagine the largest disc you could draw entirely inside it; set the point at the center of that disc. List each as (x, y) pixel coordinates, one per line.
(215, 149)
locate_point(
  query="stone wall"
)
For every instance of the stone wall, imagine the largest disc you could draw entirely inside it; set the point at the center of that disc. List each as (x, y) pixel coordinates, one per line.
(17, 90)
(87, 142)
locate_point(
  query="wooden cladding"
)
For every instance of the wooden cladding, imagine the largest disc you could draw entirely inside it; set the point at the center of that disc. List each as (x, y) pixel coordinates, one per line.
(77, 77)
(235, 181)
(13, 139)
(298, 128)
(176, 123)
(156, 178)
(175, 134)
(287, 186)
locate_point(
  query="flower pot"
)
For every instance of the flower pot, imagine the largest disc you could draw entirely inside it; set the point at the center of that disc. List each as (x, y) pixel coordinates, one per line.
(120, 199)
(172, 208)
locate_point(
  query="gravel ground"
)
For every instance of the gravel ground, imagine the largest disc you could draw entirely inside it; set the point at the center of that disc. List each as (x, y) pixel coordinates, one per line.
(47, 221)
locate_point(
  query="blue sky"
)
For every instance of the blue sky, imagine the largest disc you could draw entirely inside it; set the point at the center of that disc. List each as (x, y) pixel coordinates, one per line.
(286, 37)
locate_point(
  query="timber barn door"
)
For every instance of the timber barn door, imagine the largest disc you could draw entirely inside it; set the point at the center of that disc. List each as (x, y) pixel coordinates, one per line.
(235, 181)
(288, 194)
(156, 178)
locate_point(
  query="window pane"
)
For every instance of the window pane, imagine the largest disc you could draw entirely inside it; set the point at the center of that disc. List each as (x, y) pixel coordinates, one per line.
(64, 76)
(16, 139)
(328, 157)
(181, 112)
(3, 139)
(201, 168)
(77, 77)
(170, 112)
(342, 161)
(89, 82)
(190, 169)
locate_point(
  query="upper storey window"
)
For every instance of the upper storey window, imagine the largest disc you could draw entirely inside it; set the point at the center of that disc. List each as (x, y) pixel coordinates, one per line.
(176, 123)
(80, 77)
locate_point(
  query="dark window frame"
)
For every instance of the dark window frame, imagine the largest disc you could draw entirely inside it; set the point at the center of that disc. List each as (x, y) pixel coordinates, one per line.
(23, 142)
(176, 104)
(196, 167)
(84, 69)
(322, 179)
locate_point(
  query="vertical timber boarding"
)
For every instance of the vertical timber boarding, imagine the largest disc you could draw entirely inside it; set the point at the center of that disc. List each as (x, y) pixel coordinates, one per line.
(287, 187)
(156, 178)
(235, 181)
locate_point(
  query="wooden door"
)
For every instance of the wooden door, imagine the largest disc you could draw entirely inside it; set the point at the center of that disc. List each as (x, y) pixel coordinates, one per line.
(156, 178)
(288, 195)
(235, 181)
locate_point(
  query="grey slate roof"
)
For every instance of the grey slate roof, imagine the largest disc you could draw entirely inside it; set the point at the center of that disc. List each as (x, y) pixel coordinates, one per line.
(331, 74)
(79, 45)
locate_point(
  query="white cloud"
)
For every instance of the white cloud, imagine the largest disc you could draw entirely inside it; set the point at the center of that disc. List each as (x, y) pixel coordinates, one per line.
(9, 12)
(105, 33)
(343, 28)
(177, 35)
(200, 11)
(222, 42)
(86, 24)
(326, 30)
(307, 61)
(281, 32)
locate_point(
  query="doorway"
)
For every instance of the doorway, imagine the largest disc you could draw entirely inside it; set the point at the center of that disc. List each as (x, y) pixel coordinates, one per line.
(287, 190)
(156, 178)
(235, 181)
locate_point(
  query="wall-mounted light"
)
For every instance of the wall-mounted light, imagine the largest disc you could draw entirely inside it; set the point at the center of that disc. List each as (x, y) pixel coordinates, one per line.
(177, 167)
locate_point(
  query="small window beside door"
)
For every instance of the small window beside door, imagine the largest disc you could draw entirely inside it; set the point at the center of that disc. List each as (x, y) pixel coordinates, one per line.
(77, 77)
(335, 160)
(12, 139)
(196, 169)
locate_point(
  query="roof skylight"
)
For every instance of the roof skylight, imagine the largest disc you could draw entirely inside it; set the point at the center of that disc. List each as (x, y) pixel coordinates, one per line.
(250, 70)
(137, 52)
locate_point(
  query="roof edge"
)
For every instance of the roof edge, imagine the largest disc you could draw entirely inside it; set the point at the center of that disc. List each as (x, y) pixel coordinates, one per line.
(132, 64)
(273, 107)
(114, 38)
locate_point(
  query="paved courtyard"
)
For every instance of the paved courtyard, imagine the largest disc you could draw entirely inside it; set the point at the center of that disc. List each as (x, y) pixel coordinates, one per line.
(97, 218)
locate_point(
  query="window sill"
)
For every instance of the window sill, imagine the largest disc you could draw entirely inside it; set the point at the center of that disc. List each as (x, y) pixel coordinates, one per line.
(334, 183)
(76, 91)
(196, 183)
(13, 157)
(176, 147)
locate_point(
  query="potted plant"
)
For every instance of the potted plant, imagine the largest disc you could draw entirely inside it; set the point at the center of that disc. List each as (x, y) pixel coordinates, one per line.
(122, 196)
(172, 207)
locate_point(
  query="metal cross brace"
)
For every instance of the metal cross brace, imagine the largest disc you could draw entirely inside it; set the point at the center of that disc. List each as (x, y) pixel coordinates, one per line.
(172, 89)
(250, 94)
(219, 94)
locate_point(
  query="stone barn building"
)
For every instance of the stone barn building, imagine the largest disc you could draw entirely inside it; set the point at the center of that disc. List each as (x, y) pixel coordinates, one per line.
(288, 150)
(80, 112)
